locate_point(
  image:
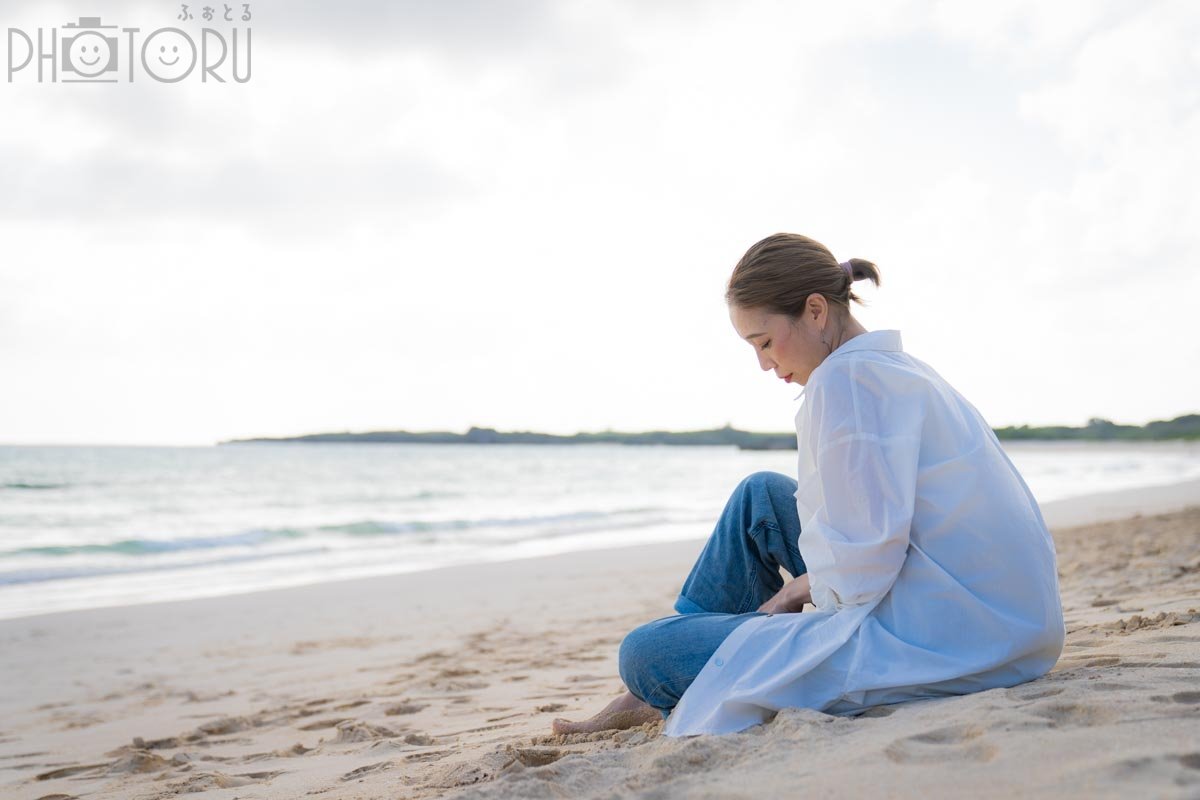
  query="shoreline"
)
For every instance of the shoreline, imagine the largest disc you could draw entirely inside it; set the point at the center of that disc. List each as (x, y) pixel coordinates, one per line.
(424, 683)
(1079, 510)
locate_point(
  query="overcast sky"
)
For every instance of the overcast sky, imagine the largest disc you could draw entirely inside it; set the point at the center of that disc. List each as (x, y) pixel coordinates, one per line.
(521, 215)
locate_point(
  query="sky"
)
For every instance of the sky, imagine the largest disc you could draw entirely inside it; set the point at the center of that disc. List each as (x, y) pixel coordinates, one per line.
(522, 215)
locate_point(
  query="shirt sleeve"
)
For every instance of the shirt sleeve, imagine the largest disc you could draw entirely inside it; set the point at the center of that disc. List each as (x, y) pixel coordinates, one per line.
(863, 440)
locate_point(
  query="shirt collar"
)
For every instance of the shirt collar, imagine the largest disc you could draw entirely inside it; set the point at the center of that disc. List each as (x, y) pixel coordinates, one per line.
(871, 340)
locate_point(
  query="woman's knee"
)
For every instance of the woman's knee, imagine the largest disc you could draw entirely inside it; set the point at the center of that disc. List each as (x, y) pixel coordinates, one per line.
(635, 659)
(769, 481)
(775, 488)
(652, 666)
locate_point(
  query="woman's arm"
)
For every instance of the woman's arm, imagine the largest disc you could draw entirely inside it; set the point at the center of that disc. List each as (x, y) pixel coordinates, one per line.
(865, 442)
(790, 599)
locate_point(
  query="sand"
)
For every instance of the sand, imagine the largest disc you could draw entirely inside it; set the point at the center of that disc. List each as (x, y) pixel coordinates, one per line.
(444, 683)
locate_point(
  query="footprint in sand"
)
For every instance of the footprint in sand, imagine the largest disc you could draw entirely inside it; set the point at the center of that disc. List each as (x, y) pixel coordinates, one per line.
(1063, 714)
(201, 697)
(75, 721)
(1022, 693)
(1108, 686)
(66, 772)
(260, 776)
(358, 642)
(1089, 661)
(1085, 643)
(480, 729)
(536, 756)
(456, 672)
(587, 678)
(1162, 619)
(422, 739)
(427, 757)
(1102, 661)
(403, 677)
(954, 743)
(483, 769)
(225, 725)
(295, 750)
(139, 761)
(1164, 664)
(325, 723)
(355, 774)
(1173, 638)
(356, 731)
(405, 707)
(204, 781)
(354, 704)
(1178, 769)
(877, 711)
(456, 680)
(34, 754)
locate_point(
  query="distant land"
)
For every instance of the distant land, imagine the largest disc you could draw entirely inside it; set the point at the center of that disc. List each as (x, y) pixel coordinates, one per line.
(1186, 427)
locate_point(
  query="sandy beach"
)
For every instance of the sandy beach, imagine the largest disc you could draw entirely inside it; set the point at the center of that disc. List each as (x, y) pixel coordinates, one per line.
(444, 684)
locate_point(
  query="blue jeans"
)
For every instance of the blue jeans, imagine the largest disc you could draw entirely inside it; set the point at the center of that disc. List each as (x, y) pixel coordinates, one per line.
(737, 572)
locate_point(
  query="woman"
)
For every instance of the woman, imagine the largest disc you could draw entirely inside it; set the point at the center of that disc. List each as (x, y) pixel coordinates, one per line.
(909, 529)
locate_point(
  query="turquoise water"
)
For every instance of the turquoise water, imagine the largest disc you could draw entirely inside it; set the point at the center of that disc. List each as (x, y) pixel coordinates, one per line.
(84, 527)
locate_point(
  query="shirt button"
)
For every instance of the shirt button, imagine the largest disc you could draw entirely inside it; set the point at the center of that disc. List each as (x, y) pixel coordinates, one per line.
(720, 662)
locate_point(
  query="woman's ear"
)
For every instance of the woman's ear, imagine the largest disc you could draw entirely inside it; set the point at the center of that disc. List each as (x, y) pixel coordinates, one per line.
(816, 306)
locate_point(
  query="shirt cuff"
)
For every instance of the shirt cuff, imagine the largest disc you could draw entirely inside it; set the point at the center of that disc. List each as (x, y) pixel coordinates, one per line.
(823, 595)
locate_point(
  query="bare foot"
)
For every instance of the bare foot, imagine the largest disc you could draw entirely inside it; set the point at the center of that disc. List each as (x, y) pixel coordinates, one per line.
(626, 711)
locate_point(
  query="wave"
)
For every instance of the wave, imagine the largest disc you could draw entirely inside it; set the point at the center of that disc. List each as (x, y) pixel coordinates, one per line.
(372, 527)
(139, 547)
(68, 573)
(34, 485)
(258, 537)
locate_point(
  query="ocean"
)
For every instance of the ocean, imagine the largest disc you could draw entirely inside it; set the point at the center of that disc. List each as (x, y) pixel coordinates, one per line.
(92, 526)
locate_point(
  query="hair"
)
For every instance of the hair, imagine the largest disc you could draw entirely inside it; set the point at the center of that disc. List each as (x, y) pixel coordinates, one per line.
(779, 272)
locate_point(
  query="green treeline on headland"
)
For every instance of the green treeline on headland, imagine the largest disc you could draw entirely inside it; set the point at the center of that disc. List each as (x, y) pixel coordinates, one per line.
(1185, 427)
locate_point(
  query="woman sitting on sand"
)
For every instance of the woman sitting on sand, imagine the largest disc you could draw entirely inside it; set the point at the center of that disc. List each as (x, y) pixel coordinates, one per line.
(909, 529)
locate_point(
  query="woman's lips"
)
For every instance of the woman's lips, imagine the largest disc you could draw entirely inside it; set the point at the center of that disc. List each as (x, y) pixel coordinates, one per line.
(788, 377)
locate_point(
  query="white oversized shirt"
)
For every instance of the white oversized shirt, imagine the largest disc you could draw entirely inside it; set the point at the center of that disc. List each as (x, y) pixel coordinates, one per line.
(932, 570)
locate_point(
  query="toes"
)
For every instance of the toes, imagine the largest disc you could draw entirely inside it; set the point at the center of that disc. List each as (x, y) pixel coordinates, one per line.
(561, 725)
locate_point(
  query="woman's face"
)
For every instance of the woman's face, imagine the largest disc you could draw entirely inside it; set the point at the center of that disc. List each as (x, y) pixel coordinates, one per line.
(791, 348)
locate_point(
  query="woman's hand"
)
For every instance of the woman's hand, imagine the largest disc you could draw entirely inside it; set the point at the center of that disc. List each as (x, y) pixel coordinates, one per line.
(791, 598)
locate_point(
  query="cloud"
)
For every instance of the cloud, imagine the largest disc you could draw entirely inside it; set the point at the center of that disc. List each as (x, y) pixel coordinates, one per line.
(363, 110)
(549, 215)
(1125, 116)
(462, 28)
(121, 186)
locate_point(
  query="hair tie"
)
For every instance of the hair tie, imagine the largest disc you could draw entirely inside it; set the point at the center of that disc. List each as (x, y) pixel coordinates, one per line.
(846, 265)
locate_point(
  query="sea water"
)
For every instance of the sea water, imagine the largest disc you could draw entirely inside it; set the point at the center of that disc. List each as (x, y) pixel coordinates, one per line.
(84, 527)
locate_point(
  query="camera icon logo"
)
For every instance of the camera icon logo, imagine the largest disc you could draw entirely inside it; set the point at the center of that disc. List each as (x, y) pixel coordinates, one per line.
(90, 52)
